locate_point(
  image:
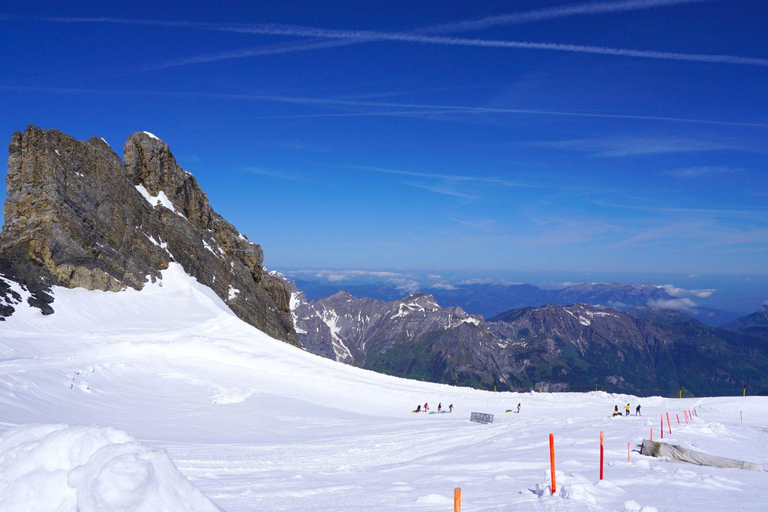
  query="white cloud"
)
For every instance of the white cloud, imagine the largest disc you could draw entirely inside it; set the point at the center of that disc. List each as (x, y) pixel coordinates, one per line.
(444, 286)
(684, 305)
(682, 292)
(406, 285)
(434, 276)
(477, 280)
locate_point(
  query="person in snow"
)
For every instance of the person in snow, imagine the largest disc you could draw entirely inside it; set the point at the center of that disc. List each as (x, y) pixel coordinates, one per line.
(450, 408)
(637, 411)
(440, 407)
(616, 410)
(518, 408)
(426, 407)
(418, 408)
(626, 410)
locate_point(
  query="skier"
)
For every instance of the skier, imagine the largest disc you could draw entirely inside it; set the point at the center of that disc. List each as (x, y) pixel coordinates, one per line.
(426, 407)
(450, 408)
(440, 407)
(616, 410)
(637, 411)
(626, 410)
(418, 408)
(518, 408)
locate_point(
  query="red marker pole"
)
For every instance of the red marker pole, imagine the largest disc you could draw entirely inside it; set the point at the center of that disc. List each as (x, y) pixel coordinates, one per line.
(651, 434)
(686, 417)
(601, 454)
(662, 426)
(678, 417)
(668, 424)
(552, 461)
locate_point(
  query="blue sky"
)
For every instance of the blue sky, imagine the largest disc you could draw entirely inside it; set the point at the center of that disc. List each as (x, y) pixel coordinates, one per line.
(528, 136)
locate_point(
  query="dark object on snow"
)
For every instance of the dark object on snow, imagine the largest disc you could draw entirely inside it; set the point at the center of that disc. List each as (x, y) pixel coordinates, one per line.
(481, 417)
(678, 453)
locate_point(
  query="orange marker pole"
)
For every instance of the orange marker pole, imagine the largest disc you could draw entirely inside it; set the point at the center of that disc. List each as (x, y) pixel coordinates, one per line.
(629, 453)
(662, 426)
(651, 434)
(669, 424)
(552, 461)
(602, 436)
(678, 417)
(457, 499)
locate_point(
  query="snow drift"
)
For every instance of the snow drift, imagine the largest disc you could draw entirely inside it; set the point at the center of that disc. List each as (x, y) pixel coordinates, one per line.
(58, 468)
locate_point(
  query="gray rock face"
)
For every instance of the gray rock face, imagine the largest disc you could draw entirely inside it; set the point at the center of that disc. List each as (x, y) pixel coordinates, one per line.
(76, 216)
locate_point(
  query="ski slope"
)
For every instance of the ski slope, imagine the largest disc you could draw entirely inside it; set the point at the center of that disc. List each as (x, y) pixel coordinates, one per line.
(256, 424)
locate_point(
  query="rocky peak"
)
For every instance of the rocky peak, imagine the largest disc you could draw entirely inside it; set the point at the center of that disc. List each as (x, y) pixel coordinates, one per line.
(151, 165)
(76, 216)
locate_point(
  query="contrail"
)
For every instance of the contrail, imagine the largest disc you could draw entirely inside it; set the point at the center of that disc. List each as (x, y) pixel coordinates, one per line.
(448, 177)
(338, 102)
(483, 23)
(555, 13)
(252, 52)
(370, 35)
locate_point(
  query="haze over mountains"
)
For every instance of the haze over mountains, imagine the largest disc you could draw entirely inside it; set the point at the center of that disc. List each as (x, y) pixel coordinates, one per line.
(489, 299)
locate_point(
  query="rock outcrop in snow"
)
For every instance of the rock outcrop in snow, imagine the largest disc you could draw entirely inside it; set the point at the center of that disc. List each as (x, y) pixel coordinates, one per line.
(76, 216)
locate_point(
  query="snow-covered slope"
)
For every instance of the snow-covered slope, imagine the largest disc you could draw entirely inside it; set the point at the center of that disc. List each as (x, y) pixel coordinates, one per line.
(267, 426)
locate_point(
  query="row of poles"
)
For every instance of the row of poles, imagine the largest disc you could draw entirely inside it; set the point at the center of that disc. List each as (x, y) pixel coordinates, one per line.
(688, 414)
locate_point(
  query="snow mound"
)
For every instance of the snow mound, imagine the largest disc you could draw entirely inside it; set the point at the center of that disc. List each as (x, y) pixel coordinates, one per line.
(59, 468)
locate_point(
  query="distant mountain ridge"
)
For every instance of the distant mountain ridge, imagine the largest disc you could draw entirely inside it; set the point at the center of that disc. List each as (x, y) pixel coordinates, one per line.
(575, 347)
(757, 319)
(491, 299)
(78, 216)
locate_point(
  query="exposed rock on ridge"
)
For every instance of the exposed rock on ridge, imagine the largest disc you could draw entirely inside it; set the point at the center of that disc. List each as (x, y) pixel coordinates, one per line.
(76, 216)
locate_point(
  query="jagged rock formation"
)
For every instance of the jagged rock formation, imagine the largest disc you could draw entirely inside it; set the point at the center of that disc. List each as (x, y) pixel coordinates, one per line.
(76, 216)
(552, 348)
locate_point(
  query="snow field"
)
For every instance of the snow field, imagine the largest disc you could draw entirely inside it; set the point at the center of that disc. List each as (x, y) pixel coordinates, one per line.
(256, 424)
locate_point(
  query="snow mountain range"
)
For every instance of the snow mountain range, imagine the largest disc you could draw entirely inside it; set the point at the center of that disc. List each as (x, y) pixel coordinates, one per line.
(575, 347)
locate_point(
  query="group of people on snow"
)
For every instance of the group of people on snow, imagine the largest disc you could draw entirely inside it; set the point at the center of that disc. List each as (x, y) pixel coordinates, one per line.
(426, 408)
(616, 411)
